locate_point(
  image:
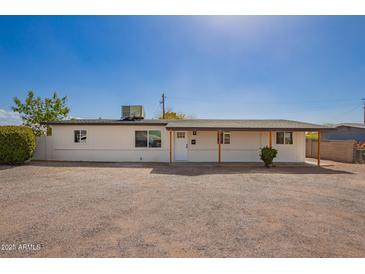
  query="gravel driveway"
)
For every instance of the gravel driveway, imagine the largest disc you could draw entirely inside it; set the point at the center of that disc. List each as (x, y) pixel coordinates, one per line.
(53, 209)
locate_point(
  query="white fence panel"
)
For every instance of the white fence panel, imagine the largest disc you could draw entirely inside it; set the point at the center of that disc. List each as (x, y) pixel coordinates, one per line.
(40, 152)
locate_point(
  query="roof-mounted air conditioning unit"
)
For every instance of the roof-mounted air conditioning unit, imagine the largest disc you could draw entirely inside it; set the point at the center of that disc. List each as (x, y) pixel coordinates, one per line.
(132, 112)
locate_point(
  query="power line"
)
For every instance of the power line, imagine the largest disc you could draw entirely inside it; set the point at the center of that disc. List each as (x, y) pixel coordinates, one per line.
(349, 111)
(364, 108)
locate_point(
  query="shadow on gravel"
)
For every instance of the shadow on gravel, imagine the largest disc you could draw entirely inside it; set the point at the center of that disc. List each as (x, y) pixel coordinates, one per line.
(196, 169)
(3, 167)
(204, 170)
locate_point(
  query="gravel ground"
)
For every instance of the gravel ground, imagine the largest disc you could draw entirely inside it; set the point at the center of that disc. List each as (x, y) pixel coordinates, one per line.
(54, 209)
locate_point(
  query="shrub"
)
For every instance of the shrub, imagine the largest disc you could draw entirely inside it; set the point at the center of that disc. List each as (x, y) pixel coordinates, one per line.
(17, 144)
(267, 155)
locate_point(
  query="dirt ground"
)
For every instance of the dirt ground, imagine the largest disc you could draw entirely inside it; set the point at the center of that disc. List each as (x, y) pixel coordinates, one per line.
(54, 209)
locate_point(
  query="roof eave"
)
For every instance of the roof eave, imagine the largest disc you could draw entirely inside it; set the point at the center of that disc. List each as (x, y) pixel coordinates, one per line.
(246, 129)
(102, 124)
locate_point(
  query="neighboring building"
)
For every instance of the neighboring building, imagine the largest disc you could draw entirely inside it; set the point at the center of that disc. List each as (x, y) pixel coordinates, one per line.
(346, 131)
(193, 140)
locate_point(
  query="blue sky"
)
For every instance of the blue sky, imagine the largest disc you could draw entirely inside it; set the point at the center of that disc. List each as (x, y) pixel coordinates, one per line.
(309, 68)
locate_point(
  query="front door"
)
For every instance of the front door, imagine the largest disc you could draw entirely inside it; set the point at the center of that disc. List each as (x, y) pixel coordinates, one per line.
(181, 146)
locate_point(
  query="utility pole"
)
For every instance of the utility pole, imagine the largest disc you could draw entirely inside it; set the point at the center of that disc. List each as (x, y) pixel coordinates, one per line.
(163, 105)
(364, 108)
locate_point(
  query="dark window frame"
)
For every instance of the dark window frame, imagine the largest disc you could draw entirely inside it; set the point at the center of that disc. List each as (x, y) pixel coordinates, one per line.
(147, 141)
(80, 136)
(222, 138)
(154, 141)
(282, 140)
(142, 142)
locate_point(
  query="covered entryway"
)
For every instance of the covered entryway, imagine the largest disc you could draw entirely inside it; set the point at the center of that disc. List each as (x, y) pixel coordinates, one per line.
(237, 140)
(181, 146)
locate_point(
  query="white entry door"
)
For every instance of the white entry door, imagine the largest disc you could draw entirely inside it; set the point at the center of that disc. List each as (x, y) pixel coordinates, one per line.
(181, 146)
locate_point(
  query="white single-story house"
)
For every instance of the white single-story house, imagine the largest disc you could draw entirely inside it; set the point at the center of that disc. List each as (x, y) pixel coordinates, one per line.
(192, 140)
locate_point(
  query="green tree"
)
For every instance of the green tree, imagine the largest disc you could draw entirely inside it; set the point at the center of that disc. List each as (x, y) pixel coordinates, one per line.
(35, 111)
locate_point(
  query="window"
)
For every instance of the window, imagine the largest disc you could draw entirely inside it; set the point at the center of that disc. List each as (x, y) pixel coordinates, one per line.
(180, 134)
(284, 138)
(225, 137)
(80, 136)
(153, 137)
(141, 138)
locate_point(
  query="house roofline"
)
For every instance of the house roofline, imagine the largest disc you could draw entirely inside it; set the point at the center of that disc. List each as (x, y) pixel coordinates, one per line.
(105, 122)
(202, 125)
(244, 129)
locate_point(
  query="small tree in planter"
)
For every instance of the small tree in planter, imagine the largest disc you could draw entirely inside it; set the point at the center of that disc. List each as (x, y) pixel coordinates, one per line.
(267, 155)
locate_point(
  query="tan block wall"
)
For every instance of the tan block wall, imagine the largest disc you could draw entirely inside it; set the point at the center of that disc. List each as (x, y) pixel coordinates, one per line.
(336, 150)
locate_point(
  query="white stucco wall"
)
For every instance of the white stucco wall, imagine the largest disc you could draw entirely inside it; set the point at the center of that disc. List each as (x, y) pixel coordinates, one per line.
(244, 147)
(294, 152)
(107, 143)
(113, 143)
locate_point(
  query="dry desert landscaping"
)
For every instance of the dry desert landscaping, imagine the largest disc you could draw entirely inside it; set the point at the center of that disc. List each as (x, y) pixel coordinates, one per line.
(63, 209)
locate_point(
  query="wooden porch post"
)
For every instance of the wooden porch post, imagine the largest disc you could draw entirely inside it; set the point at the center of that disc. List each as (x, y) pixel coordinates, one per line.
(219, 146)
(270, 139)
(319, 149)
(170, 132)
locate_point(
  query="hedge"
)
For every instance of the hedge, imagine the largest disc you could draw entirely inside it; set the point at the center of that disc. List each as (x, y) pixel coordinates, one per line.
(17, 144)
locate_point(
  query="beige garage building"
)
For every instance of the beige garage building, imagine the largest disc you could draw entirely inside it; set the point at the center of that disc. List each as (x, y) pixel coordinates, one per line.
(192, 140)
